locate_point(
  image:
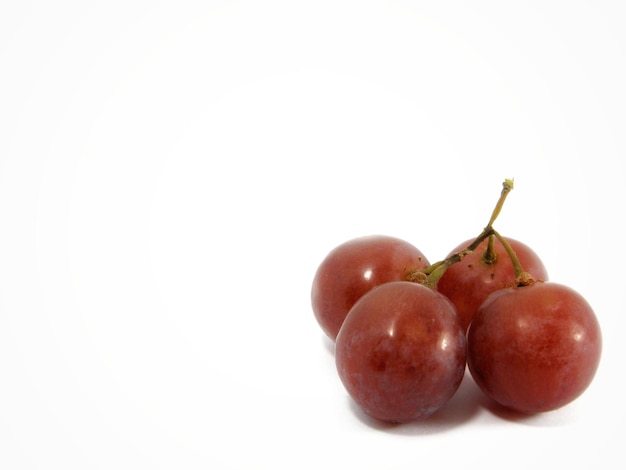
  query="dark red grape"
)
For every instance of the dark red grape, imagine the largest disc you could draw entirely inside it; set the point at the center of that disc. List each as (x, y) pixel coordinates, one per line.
(534, 348)
(468, 282)
(401, 352)
(355, 267)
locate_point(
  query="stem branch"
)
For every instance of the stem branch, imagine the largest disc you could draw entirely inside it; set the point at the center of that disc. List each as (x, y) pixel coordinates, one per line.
(435, 274)
(522, 278)
(431, 275)
(507, 186)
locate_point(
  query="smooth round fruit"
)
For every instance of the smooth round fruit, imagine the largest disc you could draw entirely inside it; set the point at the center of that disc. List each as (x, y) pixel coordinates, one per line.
(354, 268)
(469, 282)
(401, 352)
(534, 348)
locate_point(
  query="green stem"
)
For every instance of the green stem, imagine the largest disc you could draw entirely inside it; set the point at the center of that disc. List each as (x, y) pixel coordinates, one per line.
(522, 278)
(507, 187)
(431, 275)
(489, 257)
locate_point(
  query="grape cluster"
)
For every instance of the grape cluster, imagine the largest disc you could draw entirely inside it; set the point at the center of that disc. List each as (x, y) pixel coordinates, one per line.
(405, 329)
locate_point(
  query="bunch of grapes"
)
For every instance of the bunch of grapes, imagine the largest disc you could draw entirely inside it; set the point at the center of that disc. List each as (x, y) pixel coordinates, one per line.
(405, 329)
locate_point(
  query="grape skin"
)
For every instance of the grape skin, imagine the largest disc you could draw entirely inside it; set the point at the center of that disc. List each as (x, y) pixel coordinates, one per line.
(534, 348)
(354, 268)
(469, 282)
(401, 352)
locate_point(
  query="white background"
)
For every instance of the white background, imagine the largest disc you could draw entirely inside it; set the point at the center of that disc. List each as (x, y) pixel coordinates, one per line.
(172, 173)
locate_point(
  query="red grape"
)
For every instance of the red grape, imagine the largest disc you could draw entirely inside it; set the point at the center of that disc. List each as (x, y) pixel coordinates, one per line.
(534, 348)
(401, 352)
(468, 282)
(355, 267)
